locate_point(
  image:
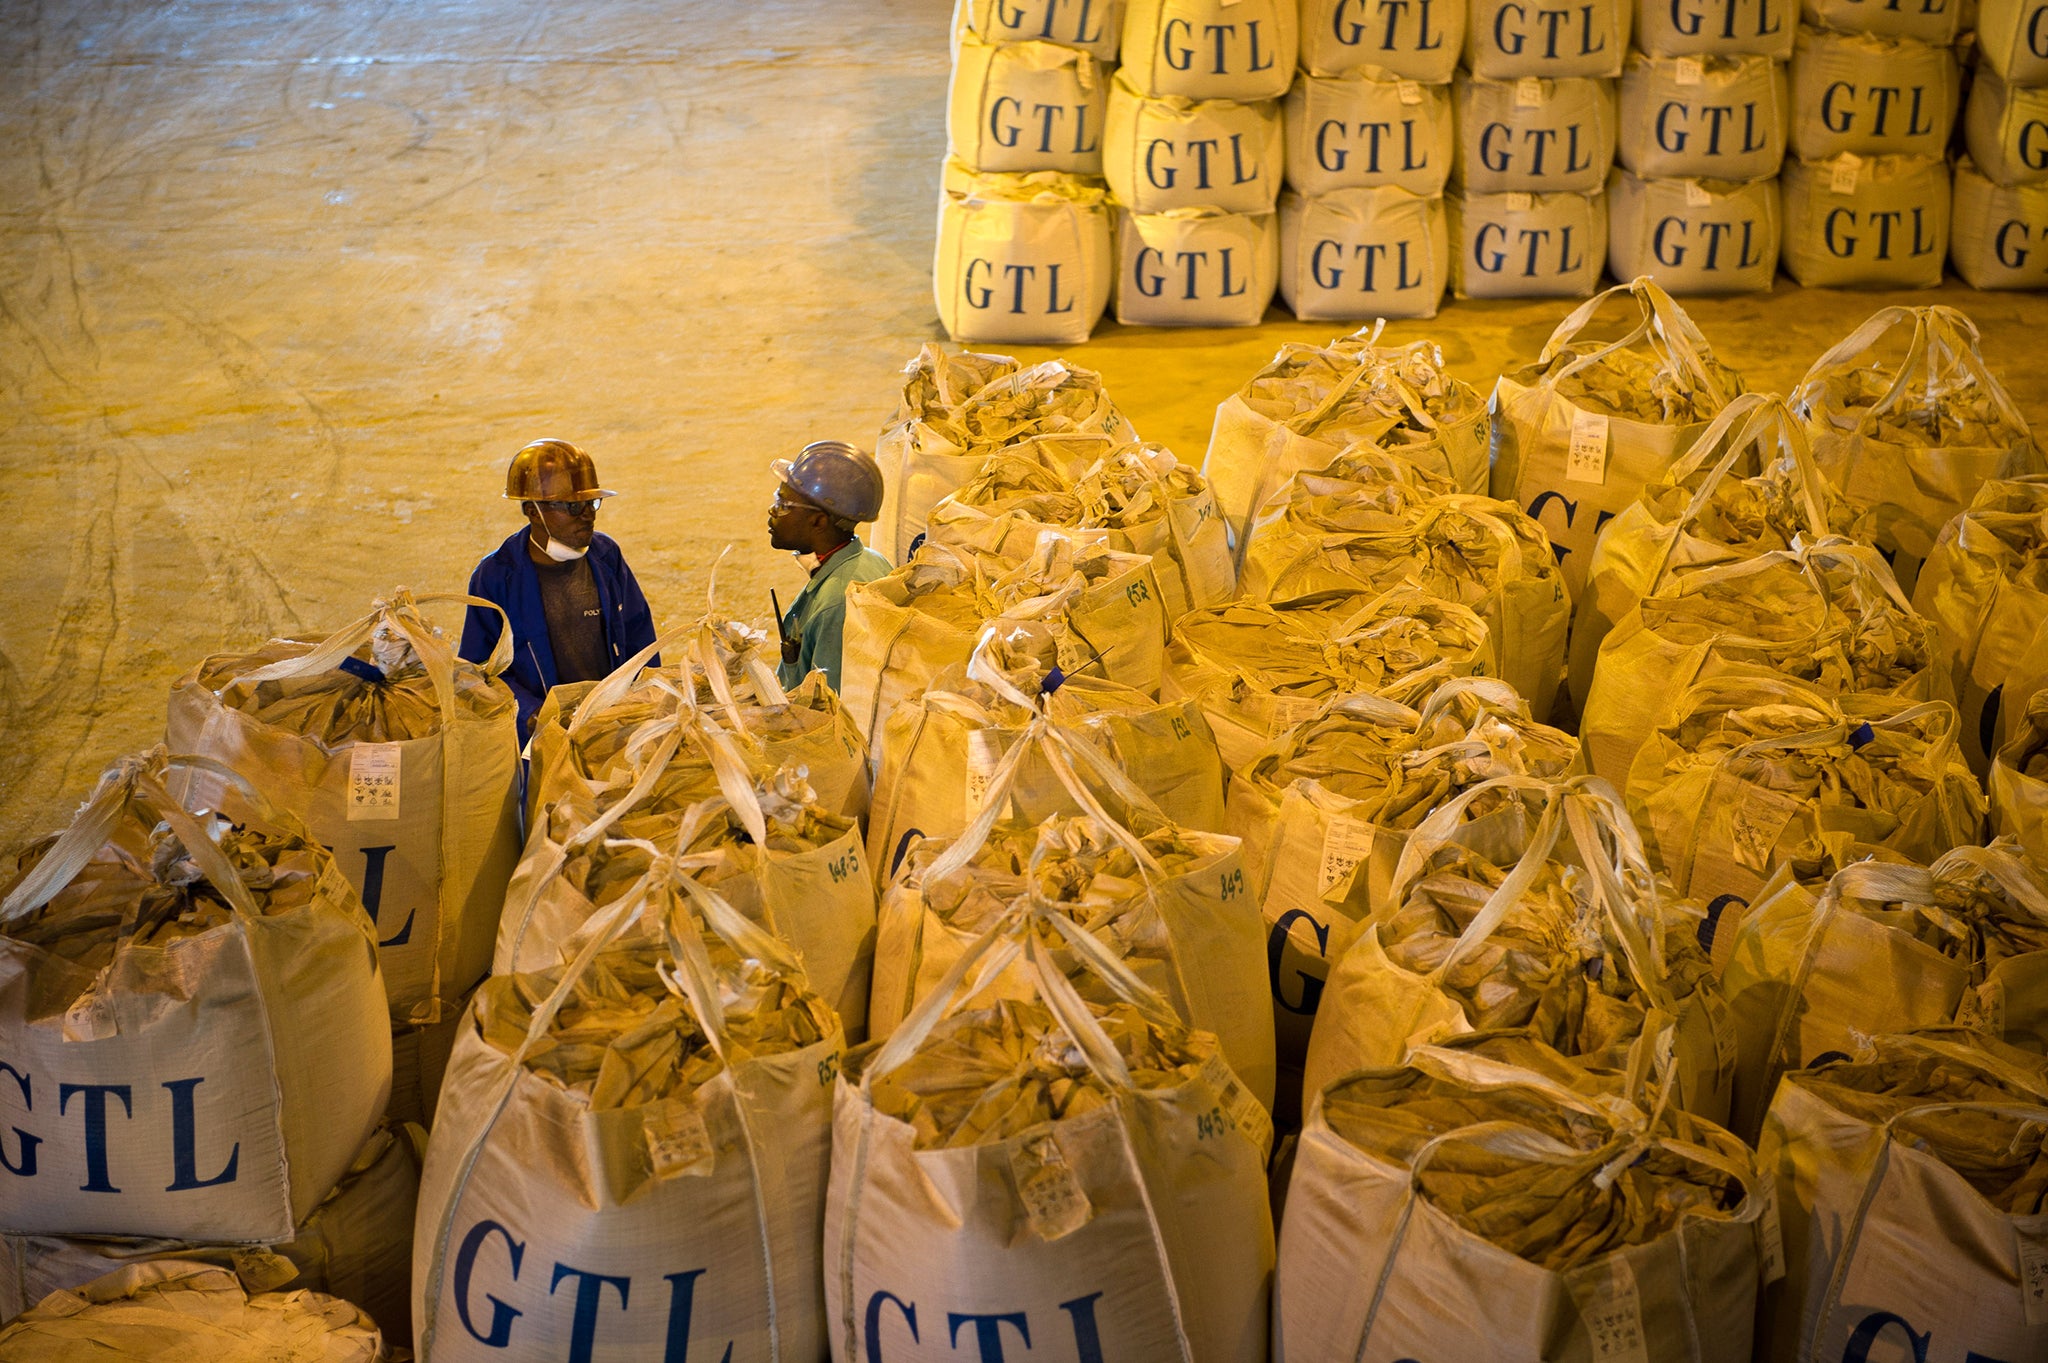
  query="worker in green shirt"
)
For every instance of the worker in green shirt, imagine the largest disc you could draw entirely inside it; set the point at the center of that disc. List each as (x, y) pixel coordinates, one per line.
(824, 495)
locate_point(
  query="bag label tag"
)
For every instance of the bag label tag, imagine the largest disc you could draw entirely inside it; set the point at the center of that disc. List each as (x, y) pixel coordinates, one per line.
(2031, 1234)
(1611, 1310)
(1347, 842)
(1586, 462)
(373, 782)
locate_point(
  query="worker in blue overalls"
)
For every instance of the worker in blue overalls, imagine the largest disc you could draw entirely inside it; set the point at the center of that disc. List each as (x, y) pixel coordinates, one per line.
(576, 610)
(823, 496)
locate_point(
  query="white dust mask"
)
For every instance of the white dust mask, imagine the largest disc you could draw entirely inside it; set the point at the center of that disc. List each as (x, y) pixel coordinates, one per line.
(562, 553)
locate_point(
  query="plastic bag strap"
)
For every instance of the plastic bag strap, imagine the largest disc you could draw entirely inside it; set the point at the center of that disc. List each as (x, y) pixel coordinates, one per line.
(2008, 870)
(1436, 829)
(400, 612)
(619, 681)
(138, 778)
(1505, 895)
(1642, 953)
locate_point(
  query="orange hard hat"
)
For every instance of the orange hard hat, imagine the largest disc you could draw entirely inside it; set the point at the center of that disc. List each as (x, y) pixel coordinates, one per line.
(553, 471)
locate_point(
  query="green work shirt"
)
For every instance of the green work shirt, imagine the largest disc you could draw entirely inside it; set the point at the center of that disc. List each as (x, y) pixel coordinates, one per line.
(817, 617)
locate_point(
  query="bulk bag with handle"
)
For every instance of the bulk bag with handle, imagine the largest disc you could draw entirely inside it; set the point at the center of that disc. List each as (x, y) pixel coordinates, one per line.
(1521, 245)
(179, 1309)
(1324, 813)
(1864, 222)
(1258, 670)
(1913, 433)
(1528, 903)
(1909, 1190)
(1025, 107)
(1873, 96)
(1465, 1207)
(398, 755)
(1479, 552)
(2012, 39)
(2006, 130)
(939, 750)
(958, 409)
(630, 1156)
(1694, 236)
(1985, 587)
(1718, 118)
(1093, 26)
(1365, 130)
(1363, 253)
(209, 996)
(1101, 605)
(1092, 1178)
(1313, 402)
(1883, 948)
(1533, 135)
(1747, 486)
(1023, 257)
(1506, 39)
(1579, 433)
(1419, 42)
(356, 1245)
(1164, 152)
(759, 837)
(1210, 49)
(1195, 267)
(1830, 615)
(1996, 235)
(1169, 902)
(1751, 772)
(1724, 28)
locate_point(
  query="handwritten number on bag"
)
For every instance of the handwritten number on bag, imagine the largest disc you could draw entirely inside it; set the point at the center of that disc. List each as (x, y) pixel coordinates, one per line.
(1233, 884)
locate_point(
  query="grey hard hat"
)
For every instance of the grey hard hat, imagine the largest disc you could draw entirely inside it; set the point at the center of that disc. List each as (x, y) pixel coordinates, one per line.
(845, 481)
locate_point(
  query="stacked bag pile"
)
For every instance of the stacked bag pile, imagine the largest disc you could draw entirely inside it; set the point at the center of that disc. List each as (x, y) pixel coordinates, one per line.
(1194, 157)
(2000, 214)
(1369, 145)
(1874, 94)
(1025, 235)
(1536, 133)
(1704, 109)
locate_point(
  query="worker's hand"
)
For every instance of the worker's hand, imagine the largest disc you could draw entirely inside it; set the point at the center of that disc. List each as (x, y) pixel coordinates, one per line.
(792, 649)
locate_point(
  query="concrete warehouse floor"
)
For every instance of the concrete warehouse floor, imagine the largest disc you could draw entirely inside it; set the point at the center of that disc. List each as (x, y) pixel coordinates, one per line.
(283, 285)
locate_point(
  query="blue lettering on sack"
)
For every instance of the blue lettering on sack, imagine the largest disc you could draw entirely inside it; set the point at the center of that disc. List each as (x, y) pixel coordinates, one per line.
(587, 1299)
(185, 1142)
(987, 1329)
(1276, 947)
(902, 847)
(373, 894)
(1715, 908)
(27, 1167)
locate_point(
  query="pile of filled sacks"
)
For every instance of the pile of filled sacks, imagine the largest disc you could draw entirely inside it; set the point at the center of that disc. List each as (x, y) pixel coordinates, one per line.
(1559, 876)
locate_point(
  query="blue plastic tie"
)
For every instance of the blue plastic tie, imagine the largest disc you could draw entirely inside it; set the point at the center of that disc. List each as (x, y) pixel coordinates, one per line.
(369, 672)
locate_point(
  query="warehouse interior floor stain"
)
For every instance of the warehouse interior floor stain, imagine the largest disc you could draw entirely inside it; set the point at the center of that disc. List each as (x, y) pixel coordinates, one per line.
(284, 284)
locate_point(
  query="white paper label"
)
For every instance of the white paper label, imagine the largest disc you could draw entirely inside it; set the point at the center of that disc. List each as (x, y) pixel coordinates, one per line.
(1842, 179)
(1691, 70)
(1696, 195)
(984, 755)
(1587, 461)
(1613, 1314)
(1347, 843)
(372, 782)
(1770, 1236)
(2033, 1246)
(1529, 92)
(677, 1140)
(1054, 1202)
(1411, 93)
(1519, 202)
